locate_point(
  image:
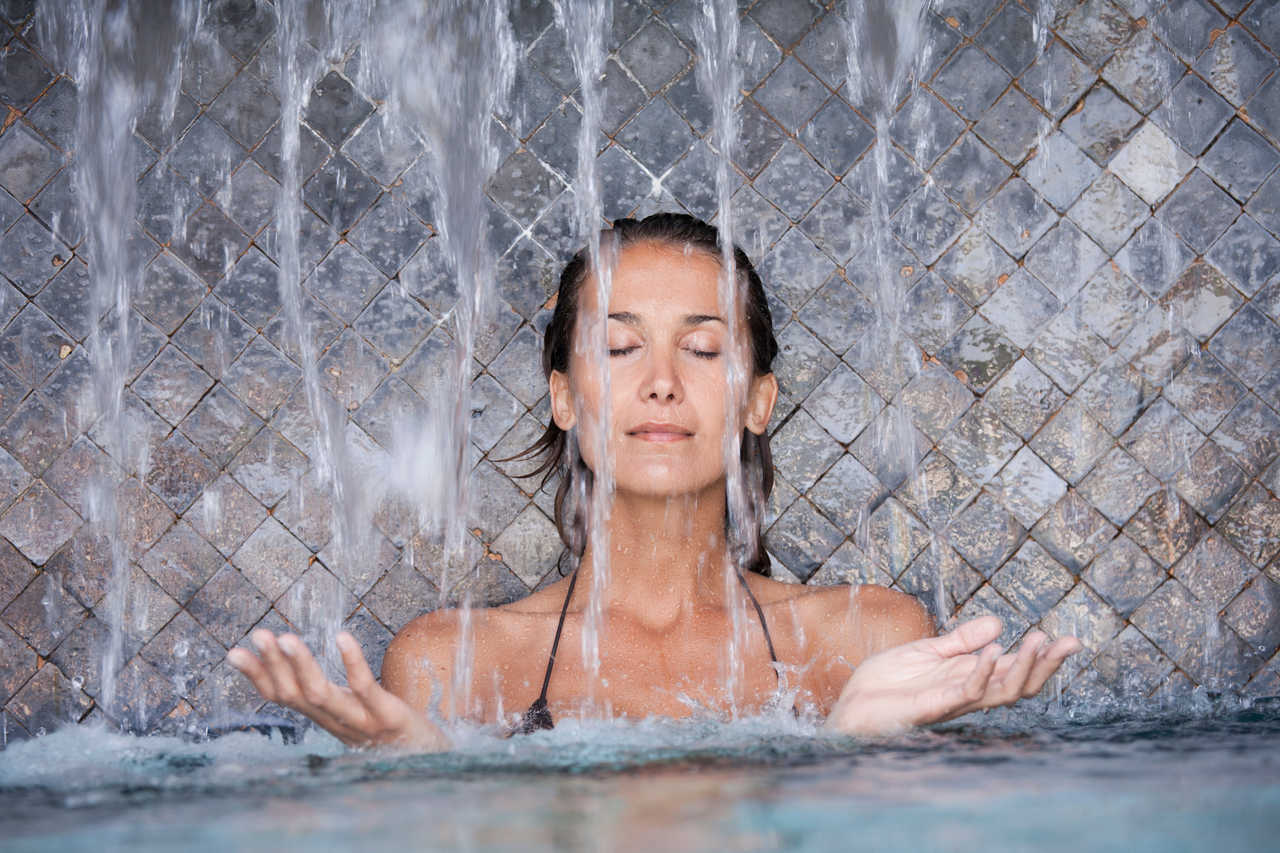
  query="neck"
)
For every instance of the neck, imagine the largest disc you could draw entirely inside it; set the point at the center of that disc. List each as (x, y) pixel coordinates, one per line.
(665, 554)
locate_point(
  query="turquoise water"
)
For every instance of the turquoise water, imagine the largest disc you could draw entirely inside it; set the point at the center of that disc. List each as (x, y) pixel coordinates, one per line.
(764, 784)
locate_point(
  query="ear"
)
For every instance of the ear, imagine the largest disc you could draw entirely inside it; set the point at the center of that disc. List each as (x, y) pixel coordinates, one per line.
(561, 401)
(760, 399)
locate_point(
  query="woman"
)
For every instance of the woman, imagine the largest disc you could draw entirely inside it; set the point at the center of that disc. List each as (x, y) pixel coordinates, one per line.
(866, 659)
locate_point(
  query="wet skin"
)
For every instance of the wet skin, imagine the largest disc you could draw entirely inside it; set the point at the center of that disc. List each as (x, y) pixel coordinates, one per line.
(866, 659)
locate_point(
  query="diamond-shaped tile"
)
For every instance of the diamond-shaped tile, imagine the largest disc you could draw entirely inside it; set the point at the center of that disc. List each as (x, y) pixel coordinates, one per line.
(793, 181)
(971, 82)
(1166, 527)
(1235, 64)
(802, 539)
(1033, 581)
(1123, 575)
(38, 522)
(1085, 616)
(1248, 345)
(1199, 211)
(334, 108)
(30, 255)
(1009, 37)
(1072, 442)
(986, 534)
(1059, 170)
(1024, 398)
(791, 95)
(1192, 114)
(1020, 307)
(837, 136)
(1143, 71)
(1012, 126)
(979, 353)
(1073, 531)
(212, 336)
(1151, 163)
(1252, 525)
(1067, 350)
(1109, 212)
(1029, 487)
(210, 243)
(1016, 217)
(1102, 124)
(802, 450)
(903, 177)
(1253, 615)
(1162, 439)
(28, 161)
(979, 443)
(1058, 78)
(925, 127)
(1247, 254)
(970, 173)
(172, 384)
(974, 266)
(928, 223)
(1251, 432)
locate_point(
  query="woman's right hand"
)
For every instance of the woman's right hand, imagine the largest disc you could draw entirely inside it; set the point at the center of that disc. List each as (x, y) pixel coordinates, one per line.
(361, 714)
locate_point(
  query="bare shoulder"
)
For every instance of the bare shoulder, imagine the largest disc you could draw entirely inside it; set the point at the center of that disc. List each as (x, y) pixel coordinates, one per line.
(871, 616)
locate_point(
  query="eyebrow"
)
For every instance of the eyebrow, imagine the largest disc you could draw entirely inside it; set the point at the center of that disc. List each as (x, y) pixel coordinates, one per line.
(631, 319)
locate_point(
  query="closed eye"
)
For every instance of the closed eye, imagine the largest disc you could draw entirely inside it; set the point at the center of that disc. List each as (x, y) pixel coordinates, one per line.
(707, 354)
(623, 350)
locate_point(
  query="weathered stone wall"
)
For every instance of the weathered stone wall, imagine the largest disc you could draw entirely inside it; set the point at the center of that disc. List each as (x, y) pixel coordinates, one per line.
(1092, 364)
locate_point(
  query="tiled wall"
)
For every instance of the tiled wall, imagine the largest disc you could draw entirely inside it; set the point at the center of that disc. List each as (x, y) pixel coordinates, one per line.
(1092, 360)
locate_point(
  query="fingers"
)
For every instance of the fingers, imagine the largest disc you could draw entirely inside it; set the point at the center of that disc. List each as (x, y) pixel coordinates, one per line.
(1010, 685)
(284, 683)
(359, 677)
(967, 637)
(975, 686)
(1047, 663)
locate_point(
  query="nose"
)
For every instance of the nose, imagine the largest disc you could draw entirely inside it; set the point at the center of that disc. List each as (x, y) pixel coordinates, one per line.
(662, 382)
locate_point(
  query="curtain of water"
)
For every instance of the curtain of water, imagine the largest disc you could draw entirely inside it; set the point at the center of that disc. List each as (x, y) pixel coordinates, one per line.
(585, 24)
(124, 57)
(447, 68)
(720, 79)
(886, 50)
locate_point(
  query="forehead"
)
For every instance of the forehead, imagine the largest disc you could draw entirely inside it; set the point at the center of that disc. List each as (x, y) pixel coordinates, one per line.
(656, 278)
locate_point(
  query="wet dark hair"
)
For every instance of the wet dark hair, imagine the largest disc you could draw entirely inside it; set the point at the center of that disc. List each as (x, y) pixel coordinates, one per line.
(680, 231)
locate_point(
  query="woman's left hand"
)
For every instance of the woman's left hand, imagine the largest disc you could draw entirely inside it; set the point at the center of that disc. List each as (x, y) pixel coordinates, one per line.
(939, 678)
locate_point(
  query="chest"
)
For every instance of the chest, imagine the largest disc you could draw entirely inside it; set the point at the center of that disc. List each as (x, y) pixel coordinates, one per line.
(705, 662)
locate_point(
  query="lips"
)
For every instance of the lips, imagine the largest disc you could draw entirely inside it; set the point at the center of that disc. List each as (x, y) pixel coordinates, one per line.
(656, 431)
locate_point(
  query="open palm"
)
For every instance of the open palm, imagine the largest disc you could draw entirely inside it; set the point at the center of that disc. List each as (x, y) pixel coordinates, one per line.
(939, 678)
(360, 714)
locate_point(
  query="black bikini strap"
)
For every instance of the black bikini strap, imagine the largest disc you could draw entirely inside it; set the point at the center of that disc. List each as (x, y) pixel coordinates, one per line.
(764, 626)
(539, 716)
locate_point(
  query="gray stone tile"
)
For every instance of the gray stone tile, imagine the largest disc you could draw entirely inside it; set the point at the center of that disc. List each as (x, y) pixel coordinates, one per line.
(928, 223)
(1252, 525)
(1073, 531)
(843, 404)
(210, 243)
(1192, 114)
(1199, 211)
(38, 522)
(523, 187)
(1024, 398)
(893, 537)
(1204, 392)
(971, 82)
(225, 515)
(891, 446)
(1123, 575)
(1059, 170)
(1214, 571)
(1251, 432)
(36, 434)
(1247, 254)
(1162, 439)
(172, 384)
(979, 352)
(340, 192)
(313, 152)
(228, 605)
(657, 137)
(1072, 442)
(1247, 345)
(838, 315)
(1253, 615)
(1102, 125)
(1185, 26)
(1012, 126)
(1096, 29)
(1009, 38)
(261, 377)
(793, 181)
(1154, 258)
(802, 539)
(1017, 217)
(178, 472)
(786, 21)
(941, 580)
(933, 312)
(970, 173)
(986, 534)
(29, 161)
(1235, 64)
(1111, 303)
(979, 443)
(847, 493)
(904, 178)
(1057, 79)
(975, 266)
(937, 490)
(823, 50)
(48, 701)
(1116, 394)
(1020, 307)
(206, 155)
(181, 562)
(1033, 581)
(926, 127)
(1143, 71)
(803, 361)
(1201, 300)
(1109, 212)
(33, 346)
(792, 95)
(1166, 527)
(802, 450)
(24, 76)
(212, 336)
(1085, 616)
(1151, 163)
(28, 254)
(335, 108)
(1028, 487)
(837, 136)
(839, 224)
(220, 425)
(987, 602)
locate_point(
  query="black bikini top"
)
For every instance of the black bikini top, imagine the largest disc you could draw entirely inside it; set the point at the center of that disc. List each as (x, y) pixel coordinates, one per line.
(539, 715)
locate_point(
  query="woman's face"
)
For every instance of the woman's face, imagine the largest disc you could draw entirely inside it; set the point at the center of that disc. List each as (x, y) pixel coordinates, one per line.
(668, 363)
